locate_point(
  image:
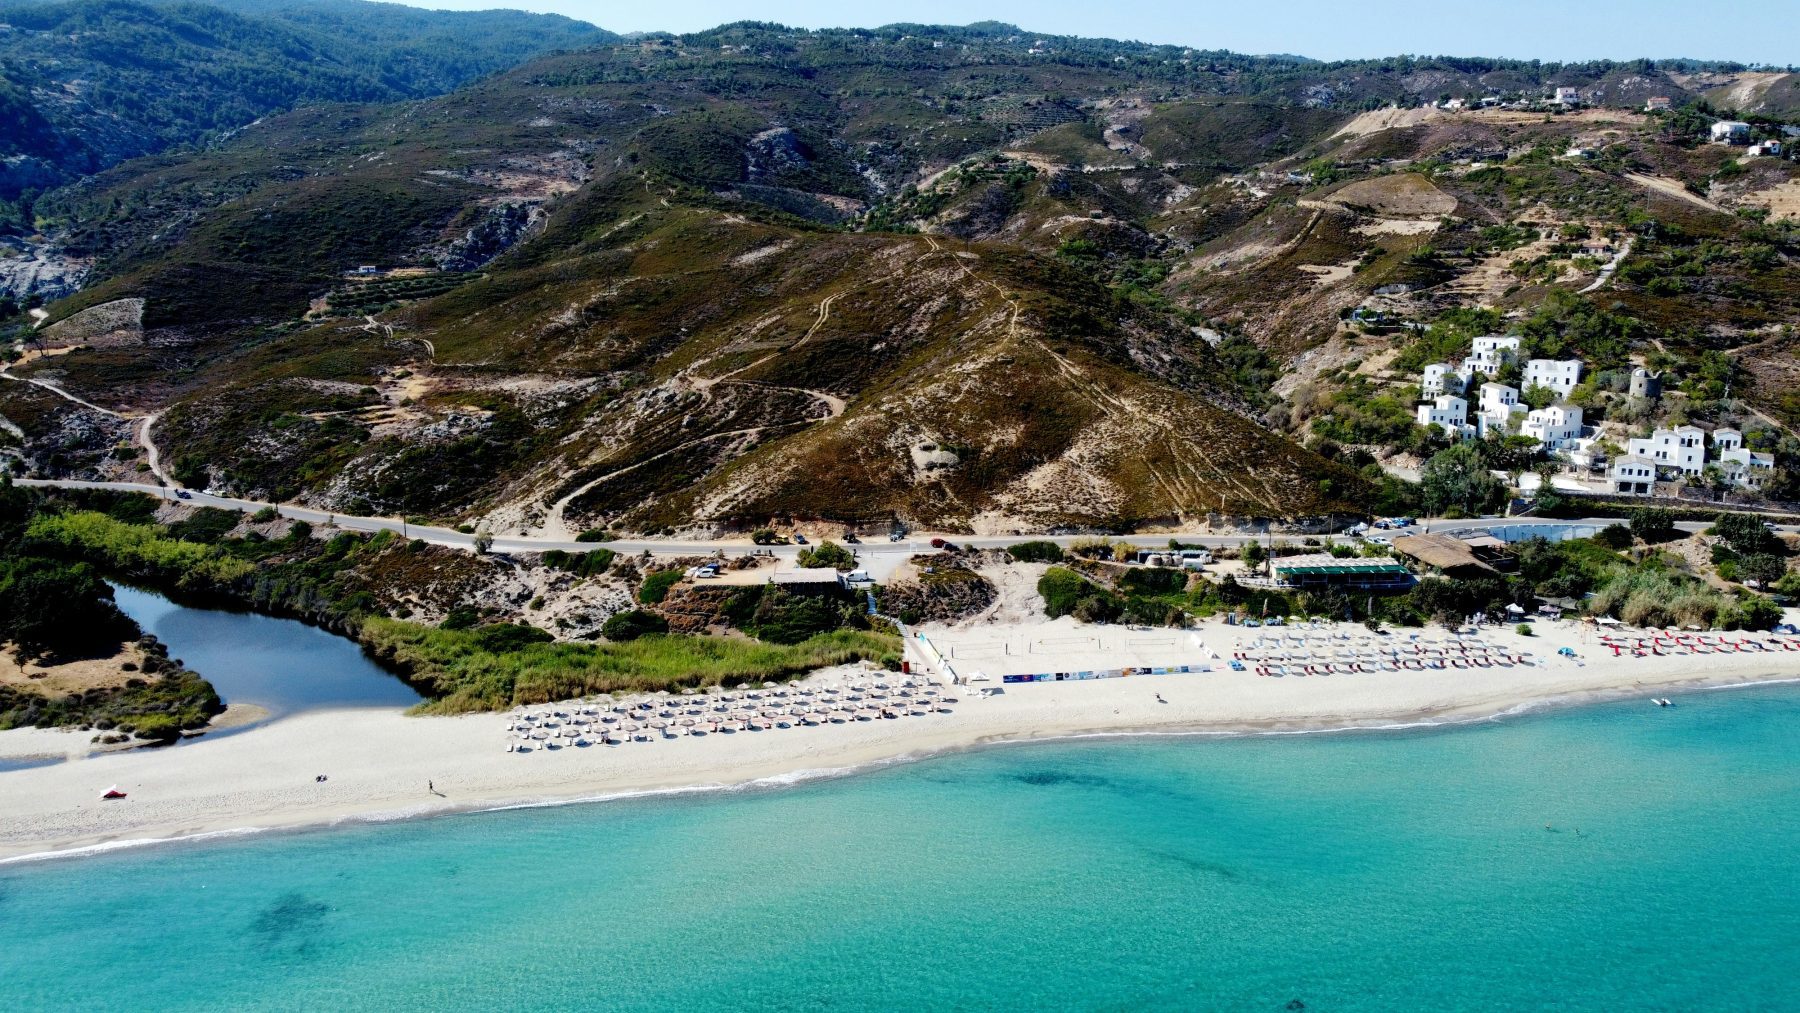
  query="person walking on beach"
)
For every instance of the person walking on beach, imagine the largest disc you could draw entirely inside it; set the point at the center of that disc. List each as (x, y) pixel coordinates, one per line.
(431, 787)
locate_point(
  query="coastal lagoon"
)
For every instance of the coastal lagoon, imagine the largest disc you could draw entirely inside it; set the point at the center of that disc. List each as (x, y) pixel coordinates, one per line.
(1618, 856)
(282, 665)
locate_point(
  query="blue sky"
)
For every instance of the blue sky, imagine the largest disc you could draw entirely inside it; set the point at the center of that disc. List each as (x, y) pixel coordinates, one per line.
(1751, 31)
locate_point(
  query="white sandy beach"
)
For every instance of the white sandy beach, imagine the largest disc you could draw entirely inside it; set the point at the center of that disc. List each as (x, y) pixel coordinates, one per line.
(379, 761)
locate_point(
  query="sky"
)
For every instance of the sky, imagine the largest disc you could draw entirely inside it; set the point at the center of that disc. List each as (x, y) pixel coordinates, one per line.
(1748, 31)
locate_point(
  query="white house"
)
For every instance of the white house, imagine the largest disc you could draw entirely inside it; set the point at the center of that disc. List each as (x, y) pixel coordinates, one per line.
(1556, 427)
(1496, 408)
(1683, 447)
(1490, 353)
(1726, 440)
(1746, 468)
(1632, 476)
(1763, 148)
(1434, 381)
(1449, 412)
(1658, 104)
(1567, 96)
(1559, 375)
(1731, 132)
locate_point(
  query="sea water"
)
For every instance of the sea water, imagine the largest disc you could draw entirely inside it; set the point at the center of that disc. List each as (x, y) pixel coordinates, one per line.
(1616, 857)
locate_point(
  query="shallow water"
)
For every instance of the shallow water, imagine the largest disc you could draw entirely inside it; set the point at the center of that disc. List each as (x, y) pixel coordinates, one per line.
(1611, 857)
(283, 665)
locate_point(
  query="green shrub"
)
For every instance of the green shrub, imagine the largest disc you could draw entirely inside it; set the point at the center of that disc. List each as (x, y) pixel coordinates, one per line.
(1614, 536)
(596, 535)
(1652, 524)
(631, 624)
(656, 586)
(827, 554)
(1036, 552)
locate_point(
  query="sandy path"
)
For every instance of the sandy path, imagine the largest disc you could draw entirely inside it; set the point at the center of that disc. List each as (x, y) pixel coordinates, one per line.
(379, 761)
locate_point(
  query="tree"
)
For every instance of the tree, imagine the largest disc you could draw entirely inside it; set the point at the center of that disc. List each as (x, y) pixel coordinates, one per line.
(1457, 479)
(1652, 524)
(828, 554)
(1254, 554)
(484, 542)
(1746, 534)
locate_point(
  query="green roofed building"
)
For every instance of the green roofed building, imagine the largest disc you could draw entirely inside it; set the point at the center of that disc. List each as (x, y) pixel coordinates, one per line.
(1355, 574)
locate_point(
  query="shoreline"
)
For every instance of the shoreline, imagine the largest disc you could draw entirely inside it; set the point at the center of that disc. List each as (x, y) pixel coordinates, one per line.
(167, 806)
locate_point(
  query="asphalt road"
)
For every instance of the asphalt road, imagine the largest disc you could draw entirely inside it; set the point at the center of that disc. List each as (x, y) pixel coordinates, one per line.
(880, 555)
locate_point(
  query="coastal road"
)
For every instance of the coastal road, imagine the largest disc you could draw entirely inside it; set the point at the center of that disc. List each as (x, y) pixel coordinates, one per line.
(879, 557)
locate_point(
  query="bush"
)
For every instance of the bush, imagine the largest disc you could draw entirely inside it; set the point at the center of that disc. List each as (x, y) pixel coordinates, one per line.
(1746, 534)
(1524, 630)
(827, 554)
(631, 624)
(1154, 580)
(656, 586)
(1614, 536)
(1652, 524)
(764, 536)
(1036, 552)
(596, 535)
(1066, 592)
(502, 637)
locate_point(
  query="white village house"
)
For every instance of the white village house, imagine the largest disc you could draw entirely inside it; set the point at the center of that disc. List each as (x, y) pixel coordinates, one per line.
(1489, 354)
(1682, 448)
(1448, 412)
(1632, 476)
(1559, 375)
(1567, 96)
(1556, 427)
(1434, 382)
(1496, 408)
(1731, 132)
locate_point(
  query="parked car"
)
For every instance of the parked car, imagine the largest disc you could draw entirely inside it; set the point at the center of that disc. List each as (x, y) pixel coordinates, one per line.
(850, 536)
(896, 536)
(937, 543)
(1380, 540)
(799, 539)
(183, 494)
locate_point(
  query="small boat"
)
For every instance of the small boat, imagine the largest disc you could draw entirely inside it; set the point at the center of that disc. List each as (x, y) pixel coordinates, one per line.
(113, 792)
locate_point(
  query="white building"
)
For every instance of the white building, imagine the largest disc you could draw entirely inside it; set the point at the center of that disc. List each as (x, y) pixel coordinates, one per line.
(1448, 412)
(1632, 476)
(1559, 375)
(1567, 96)
(1726, 440)
(1658, 104)
(1497, 408)
(1435, 381)
(1746, 468)
(1683, 448)
(1731, 132)
(1556, 427)
(1490, 353)
(1763, 148)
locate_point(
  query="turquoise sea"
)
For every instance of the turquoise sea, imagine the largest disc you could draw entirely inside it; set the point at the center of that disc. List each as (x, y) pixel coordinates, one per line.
(1616, 857)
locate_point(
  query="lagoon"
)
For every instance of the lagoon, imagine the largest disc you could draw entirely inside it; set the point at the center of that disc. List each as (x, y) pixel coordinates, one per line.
(282, 665)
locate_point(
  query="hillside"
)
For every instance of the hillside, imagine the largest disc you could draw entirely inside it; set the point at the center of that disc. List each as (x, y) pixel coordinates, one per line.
(87, 84)
(970, 278)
